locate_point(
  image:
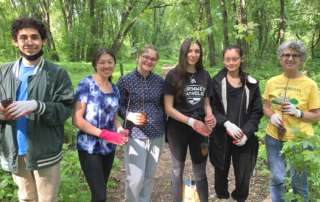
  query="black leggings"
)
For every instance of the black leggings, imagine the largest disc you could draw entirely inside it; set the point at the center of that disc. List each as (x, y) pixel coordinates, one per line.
(242, 170)
(180, 136)
(96, 169)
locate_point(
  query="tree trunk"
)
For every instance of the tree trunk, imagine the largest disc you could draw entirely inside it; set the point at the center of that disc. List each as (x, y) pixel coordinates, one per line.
(171, 34)
(51, 45)
(200, 15)
(210, 36)
(158, 31)
(266, 39)
(313, 45)
(92, 45)
(244, 22)
(260, 27)
(282, 22)
(225, 23)
(236, 19)
(120, 37)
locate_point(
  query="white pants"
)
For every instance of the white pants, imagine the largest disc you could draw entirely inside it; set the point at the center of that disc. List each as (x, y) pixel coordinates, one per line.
(141, 160)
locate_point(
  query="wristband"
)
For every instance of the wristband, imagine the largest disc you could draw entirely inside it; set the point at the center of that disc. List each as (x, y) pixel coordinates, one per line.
(191, 121)
(119, 129)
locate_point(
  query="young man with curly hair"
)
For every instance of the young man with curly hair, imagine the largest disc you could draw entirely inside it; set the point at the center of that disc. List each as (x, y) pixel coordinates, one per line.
(31, 128)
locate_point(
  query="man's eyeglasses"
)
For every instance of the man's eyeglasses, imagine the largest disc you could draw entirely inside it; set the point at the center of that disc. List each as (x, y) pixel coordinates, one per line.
(148, 59)
(294, 56)
(229, 60)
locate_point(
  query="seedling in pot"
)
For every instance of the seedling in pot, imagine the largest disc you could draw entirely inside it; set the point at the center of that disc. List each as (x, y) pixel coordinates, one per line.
(5, 103)
(282, 130)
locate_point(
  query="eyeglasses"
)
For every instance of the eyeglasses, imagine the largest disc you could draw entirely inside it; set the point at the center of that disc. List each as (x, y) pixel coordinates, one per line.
(294, 56)
(229, 60)
(148, 59)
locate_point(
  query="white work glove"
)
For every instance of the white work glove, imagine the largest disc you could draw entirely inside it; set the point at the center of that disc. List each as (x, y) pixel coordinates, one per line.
(233, 130)
(200, 127)
(241, 142)
(21, 108)
(276, 120)
(289, 109)
(136, 118)
(2, 116)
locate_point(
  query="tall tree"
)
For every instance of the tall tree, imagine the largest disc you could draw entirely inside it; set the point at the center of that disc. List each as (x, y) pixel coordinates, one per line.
(244, 22)
(123, 30)
(200, 15)
(171, 34)
(282, 22)
(225, 23)
(210, 36)
(236, 19)
(44, 7)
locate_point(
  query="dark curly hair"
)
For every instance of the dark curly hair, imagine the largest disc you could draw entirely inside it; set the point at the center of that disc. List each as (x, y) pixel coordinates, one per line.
(23, 22)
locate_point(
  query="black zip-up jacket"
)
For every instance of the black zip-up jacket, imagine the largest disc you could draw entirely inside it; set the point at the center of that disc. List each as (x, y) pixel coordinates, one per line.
(218, 146)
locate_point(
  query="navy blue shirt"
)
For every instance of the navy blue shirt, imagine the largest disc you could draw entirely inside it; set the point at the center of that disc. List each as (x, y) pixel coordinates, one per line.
(153, 103)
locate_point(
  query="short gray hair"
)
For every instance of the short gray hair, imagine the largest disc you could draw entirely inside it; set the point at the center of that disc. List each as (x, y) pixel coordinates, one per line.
(293, 44)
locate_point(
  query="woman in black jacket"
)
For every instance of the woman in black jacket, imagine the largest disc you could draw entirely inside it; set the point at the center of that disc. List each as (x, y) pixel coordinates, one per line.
(236, 104)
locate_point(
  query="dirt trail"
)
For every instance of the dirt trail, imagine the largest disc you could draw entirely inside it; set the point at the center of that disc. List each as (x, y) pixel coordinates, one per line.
(162, 186)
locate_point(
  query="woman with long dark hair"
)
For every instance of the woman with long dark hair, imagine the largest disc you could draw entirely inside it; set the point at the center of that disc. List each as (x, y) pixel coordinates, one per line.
(96, 116)
(236, 103)
(186, 91)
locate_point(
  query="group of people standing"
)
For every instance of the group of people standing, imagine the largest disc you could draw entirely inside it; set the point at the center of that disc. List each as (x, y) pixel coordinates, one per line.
(187, 109)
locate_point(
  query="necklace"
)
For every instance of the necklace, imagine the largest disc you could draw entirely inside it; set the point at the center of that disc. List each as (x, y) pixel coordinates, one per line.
(192, 80)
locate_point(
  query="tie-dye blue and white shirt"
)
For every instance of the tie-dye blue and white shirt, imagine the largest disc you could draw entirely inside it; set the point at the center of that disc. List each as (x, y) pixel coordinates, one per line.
(100, 112)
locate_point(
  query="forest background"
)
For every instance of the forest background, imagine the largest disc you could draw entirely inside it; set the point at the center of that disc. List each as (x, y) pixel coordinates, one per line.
(76, 28)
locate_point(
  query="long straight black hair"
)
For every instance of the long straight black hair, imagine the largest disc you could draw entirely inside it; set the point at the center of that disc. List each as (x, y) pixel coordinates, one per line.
(179, 72)
(97, 55)
(236, 47)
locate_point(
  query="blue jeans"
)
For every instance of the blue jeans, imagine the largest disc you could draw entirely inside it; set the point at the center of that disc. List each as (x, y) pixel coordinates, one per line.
(277, 167)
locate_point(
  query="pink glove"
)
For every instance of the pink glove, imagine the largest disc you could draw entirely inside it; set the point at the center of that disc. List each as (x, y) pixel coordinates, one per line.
(113, 137)
(289, 109)
(233, 130)
(210, 120)
(21, 108)
(200, 127)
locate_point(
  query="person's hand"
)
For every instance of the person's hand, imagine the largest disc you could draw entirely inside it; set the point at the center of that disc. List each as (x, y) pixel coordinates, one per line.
(2, 112)
(200, 127)
(210, 120)
(234, 131)
(136, 118)
(113, 137)
(276, 120)
(20, 108)
(241, 142)
(289, 109)
(124, 132)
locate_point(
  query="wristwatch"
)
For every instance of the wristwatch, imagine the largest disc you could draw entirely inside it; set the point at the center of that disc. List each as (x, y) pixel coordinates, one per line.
(302, 115)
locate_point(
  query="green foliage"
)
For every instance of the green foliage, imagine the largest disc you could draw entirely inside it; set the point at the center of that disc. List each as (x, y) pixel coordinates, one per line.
(73, 186)
(249, 29)
(303, 160)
